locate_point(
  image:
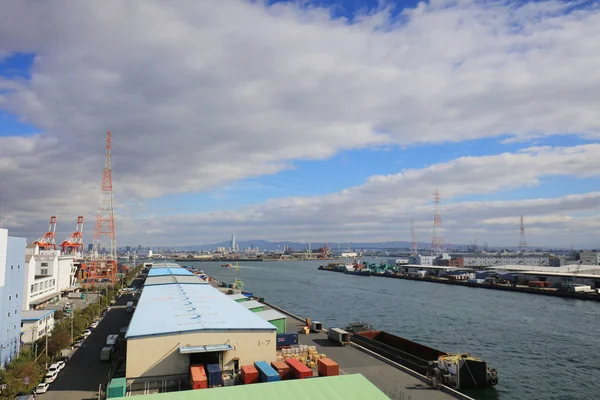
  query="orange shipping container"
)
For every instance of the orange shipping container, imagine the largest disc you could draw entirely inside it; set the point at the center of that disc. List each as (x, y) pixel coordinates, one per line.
(299, 370)
(198, 377)
(249, 374)
(282, 368)
(328, 367)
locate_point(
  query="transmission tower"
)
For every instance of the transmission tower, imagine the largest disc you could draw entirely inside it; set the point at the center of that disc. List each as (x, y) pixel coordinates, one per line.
(522, 242)
(103, 264)
(438, 243)
(413, 237)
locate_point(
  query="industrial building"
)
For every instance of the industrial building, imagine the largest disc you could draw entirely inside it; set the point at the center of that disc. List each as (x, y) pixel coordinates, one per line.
(47, 274)
(341, 387)
(498, 260)
(36, 324)
(12, 278)
(178, 324)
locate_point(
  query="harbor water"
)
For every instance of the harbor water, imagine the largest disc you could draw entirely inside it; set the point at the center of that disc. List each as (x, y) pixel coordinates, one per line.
(542, 347)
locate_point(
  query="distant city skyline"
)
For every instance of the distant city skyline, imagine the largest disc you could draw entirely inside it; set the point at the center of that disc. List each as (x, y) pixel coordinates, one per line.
(333, 121)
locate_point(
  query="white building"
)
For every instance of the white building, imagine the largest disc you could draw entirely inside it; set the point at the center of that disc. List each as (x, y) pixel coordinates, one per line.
(349, 254)
(12, 268)
(47, 274)
(36, 324)
(495, 261)
(421, 260)
(144, 253)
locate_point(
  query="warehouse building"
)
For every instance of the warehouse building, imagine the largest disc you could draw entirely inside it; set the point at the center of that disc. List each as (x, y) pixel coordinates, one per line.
(36, 324)
(176, 325)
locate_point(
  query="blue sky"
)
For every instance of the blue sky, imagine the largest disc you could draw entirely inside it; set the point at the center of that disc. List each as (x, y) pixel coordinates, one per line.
(211, 138)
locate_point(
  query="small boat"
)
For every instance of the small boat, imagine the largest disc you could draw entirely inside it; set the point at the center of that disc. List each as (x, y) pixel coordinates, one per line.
(227, 265)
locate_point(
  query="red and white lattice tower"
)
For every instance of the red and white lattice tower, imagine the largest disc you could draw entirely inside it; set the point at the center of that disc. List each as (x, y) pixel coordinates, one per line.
(413, 238)
(103, 265)
(438, 244)
(522, 241)
(48, 241)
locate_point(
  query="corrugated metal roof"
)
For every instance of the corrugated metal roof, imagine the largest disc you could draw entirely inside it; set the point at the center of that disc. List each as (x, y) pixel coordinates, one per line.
(341, 387)
(204, 349)
(270, 315)
(168, 279)
(35, 315)
(237, 296)
(174, 270)
(251, 304)
(164, 309)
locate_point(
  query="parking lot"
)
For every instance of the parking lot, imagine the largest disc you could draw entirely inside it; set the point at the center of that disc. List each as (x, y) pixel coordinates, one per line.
(84, 373)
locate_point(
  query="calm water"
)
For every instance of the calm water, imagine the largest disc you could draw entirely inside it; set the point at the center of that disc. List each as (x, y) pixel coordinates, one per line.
(542, 347)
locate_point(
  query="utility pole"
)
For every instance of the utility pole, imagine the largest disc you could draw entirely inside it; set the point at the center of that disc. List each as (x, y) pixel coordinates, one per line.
(72, 316)
(46, 332)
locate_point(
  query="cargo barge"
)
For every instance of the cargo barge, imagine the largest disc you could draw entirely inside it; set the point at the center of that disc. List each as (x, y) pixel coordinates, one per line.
(458, 371)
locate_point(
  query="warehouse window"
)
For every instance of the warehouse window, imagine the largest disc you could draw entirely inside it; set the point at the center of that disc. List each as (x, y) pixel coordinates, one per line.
(12, 267)
(44, 264)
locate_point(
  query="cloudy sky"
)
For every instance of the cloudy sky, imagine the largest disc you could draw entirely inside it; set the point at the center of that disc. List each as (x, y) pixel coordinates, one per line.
(310, 121)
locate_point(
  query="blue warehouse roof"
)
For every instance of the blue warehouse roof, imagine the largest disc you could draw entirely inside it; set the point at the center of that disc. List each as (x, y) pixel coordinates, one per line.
(171, 270)
(35, 315)
(180, 308)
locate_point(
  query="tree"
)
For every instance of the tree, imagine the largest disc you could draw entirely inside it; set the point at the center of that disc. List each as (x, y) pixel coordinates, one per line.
(59, 340)
(15, 374)
(59, 314)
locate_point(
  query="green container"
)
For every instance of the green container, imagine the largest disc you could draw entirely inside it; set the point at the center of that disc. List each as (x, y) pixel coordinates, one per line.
(83, 295)
(257, 309)
(116, 388)
(279, 324)
(261, 299)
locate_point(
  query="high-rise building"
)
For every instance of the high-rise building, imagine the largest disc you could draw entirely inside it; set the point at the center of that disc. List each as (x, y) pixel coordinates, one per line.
(12, 277)
(90, 246)
(233, 243)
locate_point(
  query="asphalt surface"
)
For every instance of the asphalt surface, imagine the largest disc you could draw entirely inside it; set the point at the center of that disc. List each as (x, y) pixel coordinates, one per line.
(83, 374)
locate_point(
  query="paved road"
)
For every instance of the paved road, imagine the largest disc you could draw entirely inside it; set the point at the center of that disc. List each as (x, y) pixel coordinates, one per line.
(84, 373)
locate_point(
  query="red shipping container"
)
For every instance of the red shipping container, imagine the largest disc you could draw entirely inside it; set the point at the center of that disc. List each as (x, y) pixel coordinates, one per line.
(198, 377)
(249, 374)
(282, 368)
(299, 370)
(328, 367)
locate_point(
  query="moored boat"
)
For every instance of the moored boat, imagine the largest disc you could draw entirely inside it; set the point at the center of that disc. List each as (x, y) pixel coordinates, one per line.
(458, 371)
(227, 265)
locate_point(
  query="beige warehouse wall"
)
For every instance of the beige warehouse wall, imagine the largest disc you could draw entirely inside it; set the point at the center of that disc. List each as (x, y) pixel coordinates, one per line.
(159, 355)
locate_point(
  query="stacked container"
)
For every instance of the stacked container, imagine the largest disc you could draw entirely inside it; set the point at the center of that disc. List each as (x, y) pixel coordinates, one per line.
(299, 370)
(328, 367)
(249, 374)
(282, 369)
(198, 377)
(215, 378)
(266, 373)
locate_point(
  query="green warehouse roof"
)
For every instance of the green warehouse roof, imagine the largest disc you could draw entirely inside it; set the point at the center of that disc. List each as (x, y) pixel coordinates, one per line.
(342, 387)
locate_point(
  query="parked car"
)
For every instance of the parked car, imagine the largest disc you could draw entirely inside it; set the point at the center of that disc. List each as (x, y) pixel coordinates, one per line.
(41, 388)
(50, 377)
(78, 343)
(61, 364)
(94, 325)
(54, 368)
(87, 333)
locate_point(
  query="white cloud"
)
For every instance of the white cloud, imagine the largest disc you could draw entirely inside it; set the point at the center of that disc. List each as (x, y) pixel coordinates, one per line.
(201, 94)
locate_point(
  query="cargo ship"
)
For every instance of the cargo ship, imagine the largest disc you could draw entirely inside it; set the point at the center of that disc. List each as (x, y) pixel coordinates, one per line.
(458, 371)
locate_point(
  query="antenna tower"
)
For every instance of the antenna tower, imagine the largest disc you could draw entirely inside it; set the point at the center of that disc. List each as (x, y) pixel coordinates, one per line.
(438, 243)
(48, 240)
(413, 237)
(522, 242)
(74, 243)
(103, 264)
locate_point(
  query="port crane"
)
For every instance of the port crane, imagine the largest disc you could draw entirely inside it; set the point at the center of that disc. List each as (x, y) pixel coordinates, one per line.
(74, 243)
(47, 241)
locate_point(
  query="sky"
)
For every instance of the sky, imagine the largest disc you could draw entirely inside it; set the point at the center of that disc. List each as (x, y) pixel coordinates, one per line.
(303, 120)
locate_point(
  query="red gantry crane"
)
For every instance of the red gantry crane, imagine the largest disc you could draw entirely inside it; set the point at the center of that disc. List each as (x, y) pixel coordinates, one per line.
(74, 243)
(47, 242)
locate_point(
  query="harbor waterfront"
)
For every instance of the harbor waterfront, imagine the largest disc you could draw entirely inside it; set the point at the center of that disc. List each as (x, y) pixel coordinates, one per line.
(542, 347)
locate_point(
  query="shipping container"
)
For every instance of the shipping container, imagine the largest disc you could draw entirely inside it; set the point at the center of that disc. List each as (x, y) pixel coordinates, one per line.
(316, 326)
(249, 374)
(198, 377)
(299, 370)
(116, 388)
(286, 339)
(338, 335)
(215, 377)
(266, 373)
(327, 367)
(282, 369)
